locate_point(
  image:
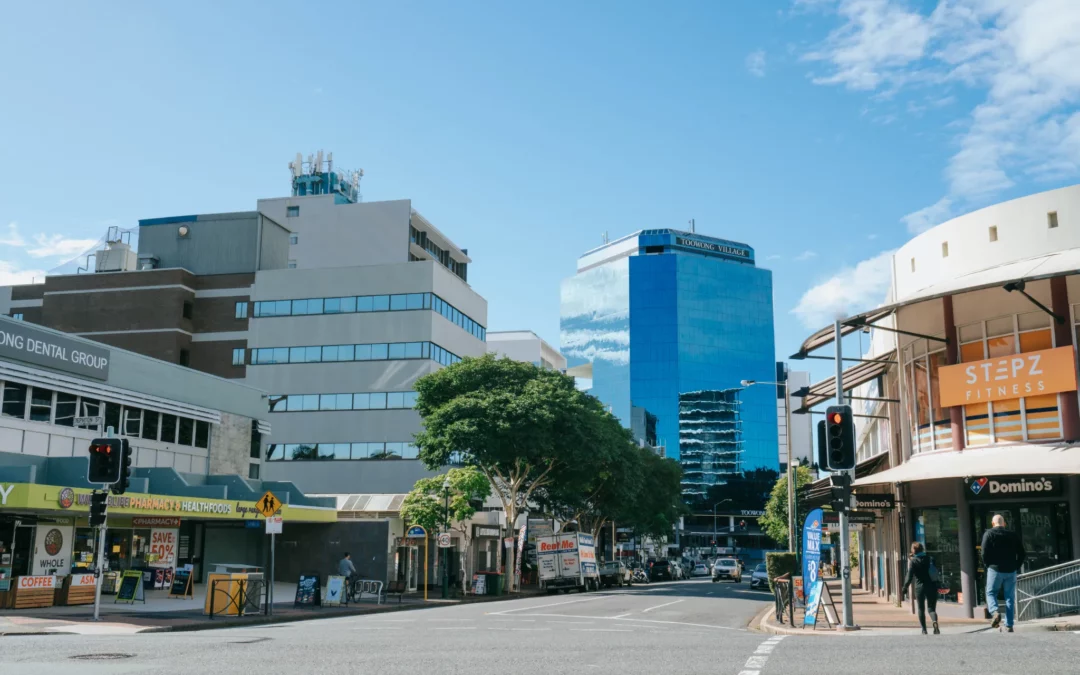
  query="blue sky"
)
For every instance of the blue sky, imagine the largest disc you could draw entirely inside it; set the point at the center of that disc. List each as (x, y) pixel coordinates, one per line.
(821, 132)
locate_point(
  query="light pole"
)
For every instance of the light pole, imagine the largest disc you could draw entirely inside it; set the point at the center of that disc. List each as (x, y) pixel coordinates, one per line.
(446, 528)
(790, 470)
(722, 501)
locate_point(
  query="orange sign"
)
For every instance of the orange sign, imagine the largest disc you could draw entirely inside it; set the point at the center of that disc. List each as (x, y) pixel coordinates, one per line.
(1047, 371)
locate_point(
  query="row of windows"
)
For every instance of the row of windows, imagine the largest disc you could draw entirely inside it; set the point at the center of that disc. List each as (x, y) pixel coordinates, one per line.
(421, 239)
(380, 351)
(38, 404)
(369, 303)
(387, 400)
(325, 451)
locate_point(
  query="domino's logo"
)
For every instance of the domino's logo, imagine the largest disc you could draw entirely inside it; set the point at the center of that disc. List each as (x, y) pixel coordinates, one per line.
(978, 485)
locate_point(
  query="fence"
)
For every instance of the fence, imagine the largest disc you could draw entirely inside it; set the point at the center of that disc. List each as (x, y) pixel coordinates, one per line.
(370, 587)
(236, 597)
(1051, 591)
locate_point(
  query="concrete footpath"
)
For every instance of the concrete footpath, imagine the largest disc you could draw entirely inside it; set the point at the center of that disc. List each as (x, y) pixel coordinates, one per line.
(875, 616)
(160, 613)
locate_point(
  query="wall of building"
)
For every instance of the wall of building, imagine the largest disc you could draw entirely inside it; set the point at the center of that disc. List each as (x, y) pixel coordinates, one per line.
(329, 234)
(230, 446)
(216, 243)
(802, 425)
(318, 548)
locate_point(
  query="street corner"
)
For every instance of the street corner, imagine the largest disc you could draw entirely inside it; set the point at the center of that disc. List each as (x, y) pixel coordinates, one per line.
(23, 626)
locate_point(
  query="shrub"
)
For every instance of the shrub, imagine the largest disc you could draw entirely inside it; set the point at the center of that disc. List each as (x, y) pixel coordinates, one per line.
(779, 564)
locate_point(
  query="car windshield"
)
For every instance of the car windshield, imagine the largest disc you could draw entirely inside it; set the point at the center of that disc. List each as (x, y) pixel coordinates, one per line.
(760, 568)
(726, 563)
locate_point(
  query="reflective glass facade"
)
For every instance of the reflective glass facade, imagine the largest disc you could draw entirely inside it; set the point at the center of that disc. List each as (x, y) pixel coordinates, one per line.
(669, 314)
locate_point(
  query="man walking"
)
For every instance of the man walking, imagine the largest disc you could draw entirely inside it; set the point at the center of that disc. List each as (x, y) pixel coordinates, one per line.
(1003, 553)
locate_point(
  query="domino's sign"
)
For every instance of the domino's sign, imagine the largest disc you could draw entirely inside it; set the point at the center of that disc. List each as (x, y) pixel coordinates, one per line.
(1011, 487)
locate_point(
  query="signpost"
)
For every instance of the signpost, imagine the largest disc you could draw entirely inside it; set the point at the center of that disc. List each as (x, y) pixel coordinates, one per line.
(444, 540)
(811, 546)
(268, 505)
(89, 422)
(416, 532)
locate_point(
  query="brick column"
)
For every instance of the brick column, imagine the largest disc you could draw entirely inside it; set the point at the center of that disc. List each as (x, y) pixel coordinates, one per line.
(1067, 402)
(952, 356)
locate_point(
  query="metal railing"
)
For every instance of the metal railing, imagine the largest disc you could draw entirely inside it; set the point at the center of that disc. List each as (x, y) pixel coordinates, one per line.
(370, 587)
(239, 596)
(1051, 591)
(784, 598)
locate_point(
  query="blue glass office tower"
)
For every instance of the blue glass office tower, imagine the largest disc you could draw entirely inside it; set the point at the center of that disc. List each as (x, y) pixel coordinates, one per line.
(672, 322)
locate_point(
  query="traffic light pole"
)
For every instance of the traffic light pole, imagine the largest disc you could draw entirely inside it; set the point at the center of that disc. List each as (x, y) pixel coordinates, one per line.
(99, 554)
(845, 538)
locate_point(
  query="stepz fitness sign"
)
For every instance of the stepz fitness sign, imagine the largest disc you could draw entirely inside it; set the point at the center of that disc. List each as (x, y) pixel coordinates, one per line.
(1048, 371)
(23, 342)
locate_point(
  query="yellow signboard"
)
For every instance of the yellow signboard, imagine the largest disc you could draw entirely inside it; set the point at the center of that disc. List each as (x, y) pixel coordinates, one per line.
(1048, 371)
(268, 504)
(66, 501)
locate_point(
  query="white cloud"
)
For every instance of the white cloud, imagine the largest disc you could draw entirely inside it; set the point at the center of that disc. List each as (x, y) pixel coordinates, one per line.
(774, 256)
(928, 216)
(851, 290)
(755, 63)
(806, 255)
(14, 238)
(57, 245)
(12, 276)
(1022, 54)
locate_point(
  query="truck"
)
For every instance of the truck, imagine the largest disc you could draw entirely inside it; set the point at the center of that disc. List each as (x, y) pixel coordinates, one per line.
(567, 561)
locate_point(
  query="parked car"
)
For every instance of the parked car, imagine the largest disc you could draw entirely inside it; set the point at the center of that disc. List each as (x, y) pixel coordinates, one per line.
(700, 570)
(615, 573)
(660, 571)
(726, 568)
(759, 578)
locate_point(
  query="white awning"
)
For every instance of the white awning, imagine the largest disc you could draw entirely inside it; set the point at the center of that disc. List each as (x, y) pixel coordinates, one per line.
(999, 460)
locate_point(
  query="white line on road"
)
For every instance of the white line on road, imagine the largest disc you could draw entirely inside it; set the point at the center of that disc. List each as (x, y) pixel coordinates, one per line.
(380, 628)
(455, 628)
(619, 616)
(553, 604)
(573, 623)
(602, 630)
(658, 606)
(518, 629)
(755, 663)
(608, 618)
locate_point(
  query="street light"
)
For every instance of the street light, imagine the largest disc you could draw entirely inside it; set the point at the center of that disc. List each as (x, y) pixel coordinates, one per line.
(446, 528)
(790, 473)
(722, 501)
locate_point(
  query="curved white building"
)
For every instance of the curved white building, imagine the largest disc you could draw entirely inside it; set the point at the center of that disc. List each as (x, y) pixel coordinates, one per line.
(973, 381)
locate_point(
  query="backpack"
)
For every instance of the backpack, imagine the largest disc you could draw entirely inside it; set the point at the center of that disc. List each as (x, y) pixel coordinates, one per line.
(932, 572)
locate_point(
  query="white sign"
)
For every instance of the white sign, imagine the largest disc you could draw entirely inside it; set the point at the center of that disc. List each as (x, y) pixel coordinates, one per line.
(335, 587)
(273, 525)
(52, 549)
(4, 492)
(48, 581)
(163, 547)
(444, 540)
(89, 421)
(83, 580)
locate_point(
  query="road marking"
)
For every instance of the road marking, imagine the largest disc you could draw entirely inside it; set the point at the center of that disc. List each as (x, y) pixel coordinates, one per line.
(553, 604)
(602, 630)
(755, 663)
(573, 623)
(620, 616)
(518, 629)
(673, 623)
(455, 628)
(380, 628)
(657, 607)
(514, 620)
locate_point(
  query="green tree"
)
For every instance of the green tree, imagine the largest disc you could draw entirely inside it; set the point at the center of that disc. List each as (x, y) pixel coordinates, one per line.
(775, 521)
(426, 505)
(659, 504)
(522, 426)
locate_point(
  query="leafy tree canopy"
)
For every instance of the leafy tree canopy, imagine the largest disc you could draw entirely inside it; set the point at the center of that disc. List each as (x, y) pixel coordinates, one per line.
(775, 521)
(426, 502)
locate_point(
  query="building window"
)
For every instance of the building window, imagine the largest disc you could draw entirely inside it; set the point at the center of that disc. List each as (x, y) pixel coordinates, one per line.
(944, 249)
(18, 316)
(187, 431)
(1051, 219)
(993, 233)
(189, 307)
(66, 407)
(132, 422)
(150, 424)
(253, 471)
(382, 351)
(380, 400)
(238, 356)
(292, 264)
(168, 428)
(15, 400)
(202, 434)
(241, 310)
(299, 452)
(292, 211)
(185, 357)
(294, 239)
(41, 402)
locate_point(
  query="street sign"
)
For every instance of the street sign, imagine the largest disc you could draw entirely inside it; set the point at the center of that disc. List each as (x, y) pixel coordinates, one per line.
(268, 504)
(273, 525)
(417, 531)
(444, 540)
(89, 421)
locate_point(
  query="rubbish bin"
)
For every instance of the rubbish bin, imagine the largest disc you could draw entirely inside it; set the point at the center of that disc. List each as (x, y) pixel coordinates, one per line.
(494, 584)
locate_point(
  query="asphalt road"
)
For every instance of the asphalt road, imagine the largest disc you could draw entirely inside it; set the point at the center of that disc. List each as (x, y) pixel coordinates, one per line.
(670, 628)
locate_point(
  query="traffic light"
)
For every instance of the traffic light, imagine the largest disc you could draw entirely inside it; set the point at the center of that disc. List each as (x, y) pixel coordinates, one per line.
(98, 506)
(121, 486)
(104, 461)
(839, 492)
(840, 432)
(822, 447)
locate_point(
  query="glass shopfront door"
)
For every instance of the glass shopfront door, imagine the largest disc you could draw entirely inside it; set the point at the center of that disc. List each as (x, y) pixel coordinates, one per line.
(1043, 527)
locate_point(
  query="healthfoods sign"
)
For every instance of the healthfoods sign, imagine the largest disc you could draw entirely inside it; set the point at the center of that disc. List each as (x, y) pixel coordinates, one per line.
(1048, 371)
(23, 342)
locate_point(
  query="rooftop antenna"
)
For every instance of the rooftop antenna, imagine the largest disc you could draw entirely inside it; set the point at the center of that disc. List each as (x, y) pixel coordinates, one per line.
(692, 231)
(604, 237)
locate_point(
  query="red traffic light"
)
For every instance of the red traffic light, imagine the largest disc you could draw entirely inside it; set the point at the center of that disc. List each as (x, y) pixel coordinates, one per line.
(836, 418)
(102, 449)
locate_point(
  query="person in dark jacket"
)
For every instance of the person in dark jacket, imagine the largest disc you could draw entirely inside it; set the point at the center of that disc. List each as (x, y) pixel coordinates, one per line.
(925, 588)
(1003, 553)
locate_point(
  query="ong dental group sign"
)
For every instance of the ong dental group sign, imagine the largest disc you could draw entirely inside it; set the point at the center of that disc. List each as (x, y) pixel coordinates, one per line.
(24, 342)
(1048, 371)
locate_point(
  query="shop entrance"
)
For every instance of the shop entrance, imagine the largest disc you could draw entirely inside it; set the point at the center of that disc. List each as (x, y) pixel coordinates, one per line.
(1043, 527)
(22, 549)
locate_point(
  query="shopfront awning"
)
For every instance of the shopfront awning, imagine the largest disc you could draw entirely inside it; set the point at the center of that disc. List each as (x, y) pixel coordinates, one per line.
(1000, 460)
(368, 505)
(1032, 269)
(859, 374)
